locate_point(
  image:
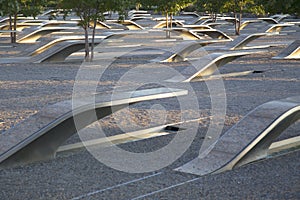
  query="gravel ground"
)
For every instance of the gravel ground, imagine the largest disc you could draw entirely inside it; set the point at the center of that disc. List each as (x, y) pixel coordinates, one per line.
(26, 88)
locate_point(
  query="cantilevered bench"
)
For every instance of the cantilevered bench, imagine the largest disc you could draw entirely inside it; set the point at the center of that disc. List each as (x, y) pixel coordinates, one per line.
(275, 19)
(242, 41)
(195, 34)
(63, 39)
(163, 24)
(6, 19)
(8, 31)
(249, 139)
(102, 25)
(221, 20)
(215, 24)
(207, 65)
(213, 33)
(39, 136)
(32, 37)
(245, 23)
(62, 50)
(197, 27)
(185, 33)
(181, 51)
(131, 25)
(276, 28)
(137, 18)
(204, 21)
(200, 19)
(291, 52)
(59, 40)
(57, 23)
(279, 17)
(33, 21)
(193, 14)
(269, 20)
(140, 12)
(19, 26)
(50, 12)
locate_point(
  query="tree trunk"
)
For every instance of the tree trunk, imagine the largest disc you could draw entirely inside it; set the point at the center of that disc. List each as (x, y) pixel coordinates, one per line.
(93, 39)
(167, 20)
(239, 22)
(235, 17)
(213, 16)
(236, 23)
(167, 25)
(171, 21)
(15, 28)
(171, 24)
(87, 50)
(10, 29)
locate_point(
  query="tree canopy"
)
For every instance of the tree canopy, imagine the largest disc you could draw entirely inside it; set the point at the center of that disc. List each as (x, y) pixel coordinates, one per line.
(166, 6)
(24, 7)
(12, 8)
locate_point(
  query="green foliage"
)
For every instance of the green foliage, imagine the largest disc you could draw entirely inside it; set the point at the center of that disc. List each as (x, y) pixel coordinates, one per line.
(12, 8)
(166, 6)
(89, 12)
(211, 6)
(25, 7)
(240, 6)
(52, 3)
(33, 7)
(8, 7)
(251, 6)
(281, 6)
(123, 6)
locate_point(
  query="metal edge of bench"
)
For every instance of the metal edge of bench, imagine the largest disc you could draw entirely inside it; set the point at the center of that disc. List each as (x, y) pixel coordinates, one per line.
(7, 157)
(258, 146)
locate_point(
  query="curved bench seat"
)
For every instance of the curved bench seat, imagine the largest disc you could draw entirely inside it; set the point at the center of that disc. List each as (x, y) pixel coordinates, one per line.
(290, 52)
(39, 136)
(34, 36)
(207, 65)
(249, 139)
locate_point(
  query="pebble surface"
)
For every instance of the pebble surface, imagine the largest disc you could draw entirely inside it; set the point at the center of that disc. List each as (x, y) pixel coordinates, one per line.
(28, 87)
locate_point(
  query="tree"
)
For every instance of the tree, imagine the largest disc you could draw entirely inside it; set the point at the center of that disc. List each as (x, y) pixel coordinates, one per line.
(212, 6)
(281, 6)
(123, 6)
(235, 6)
(83, 9)
(101, 6)
(168, 8)
(12, 8)
(240, 6)
(90, 12)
